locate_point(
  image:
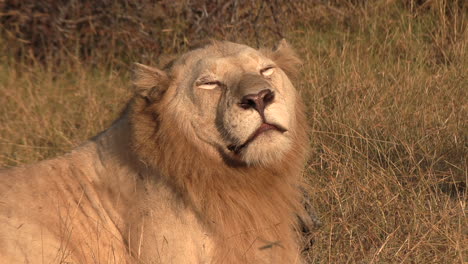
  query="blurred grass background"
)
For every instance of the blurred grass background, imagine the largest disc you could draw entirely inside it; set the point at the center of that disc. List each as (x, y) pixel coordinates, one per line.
(385, 82)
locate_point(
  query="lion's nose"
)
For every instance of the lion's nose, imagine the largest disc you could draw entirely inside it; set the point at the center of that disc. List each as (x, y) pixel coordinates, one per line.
(258, 101)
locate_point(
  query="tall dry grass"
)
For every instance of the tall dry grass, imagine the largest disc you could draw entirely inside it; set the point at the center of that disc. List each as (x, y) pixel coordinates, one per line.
(388, 107)
(386, 85)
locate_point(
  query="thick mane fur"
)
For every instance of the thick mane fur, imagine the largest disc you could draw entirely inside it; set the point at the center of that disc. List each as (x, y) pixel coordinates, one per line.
(241, 205)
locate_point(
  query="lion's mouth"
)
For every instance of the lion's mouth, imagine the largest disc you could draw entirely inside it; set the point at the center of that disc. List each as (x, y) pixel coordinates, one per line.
(262, 129)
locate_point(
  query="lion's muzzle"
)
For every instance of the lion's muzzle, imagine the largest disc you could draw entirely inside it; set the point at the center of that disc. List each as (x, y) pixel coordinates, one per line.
(258, 101)
(255, 92)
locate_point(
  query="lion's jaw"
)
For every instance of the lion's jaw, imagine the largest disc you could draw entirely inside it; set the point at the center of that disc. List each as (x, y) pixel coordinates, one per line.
(215, 111)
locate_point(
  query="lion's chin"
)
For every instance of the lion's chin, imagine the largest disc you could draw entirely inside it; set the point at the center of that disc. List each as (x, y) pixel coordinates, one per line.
(267, 149)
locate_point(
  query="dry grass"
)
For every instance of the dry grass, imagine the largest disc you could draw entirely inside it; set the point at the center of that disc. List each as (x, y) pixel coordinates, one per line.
(386, 86)
(44, 114)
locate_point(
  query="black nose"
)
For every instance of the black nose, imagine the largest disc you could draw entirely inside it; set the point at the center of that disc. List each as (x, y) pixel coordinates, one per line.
(258, 101)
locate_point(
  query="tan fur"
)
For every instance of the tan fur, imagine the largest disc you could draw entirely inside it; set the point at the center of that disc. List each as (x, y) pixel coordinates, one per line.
(160, 185)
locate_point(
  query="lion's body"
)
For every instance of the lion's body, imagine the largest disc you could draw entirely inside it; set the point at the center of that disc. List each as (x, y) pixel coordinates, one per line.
(83, 206)
(153, 189)
(51, 212)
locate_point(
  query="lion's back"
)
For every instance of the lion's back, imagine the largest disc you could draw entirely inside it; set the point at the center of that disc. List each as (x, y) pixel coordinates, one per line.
(23, 208)
(46, 213)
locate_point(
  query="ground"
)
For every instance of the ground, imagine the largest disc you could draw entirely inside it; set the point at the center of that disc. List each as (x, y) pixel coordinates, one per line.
(385, 89)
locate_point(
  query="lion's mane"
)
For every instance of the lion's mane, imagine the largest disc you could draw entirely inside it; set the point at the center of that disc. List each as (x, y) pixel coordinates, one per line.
(240, 204)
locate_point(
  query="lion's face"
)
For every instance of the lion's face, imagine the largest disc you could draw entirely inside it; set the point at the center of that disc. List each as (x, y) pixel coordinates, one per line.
(236, 100)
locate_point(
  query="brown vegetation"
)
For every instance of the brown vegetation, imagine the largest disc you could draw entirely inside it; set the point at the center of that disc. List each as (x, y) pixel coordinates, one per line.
(384, 82)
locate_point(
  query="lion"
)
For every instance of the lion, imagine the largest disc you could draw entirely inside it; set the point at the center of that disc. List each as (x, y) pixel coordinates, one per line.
(204, 165)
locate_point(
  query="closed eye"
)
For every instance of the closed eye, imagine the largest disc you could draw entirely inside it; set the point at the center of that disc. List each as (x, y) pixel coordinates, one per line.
(267, 71)
(209, 85)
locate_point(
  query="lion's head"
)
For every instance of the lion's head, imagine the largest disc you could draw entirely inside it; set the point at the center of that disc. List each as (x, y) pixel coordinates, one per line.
(236, 102)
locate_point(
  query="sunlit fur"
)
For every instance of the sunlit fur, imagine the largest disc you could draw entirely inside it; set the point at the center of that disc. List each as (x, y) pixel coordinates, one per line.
(151, 188)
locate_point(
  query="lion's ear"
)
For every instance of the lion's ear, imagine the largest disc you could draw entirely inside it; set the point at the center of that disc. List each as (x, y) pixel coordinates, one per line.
(286, 58)
(149, 82)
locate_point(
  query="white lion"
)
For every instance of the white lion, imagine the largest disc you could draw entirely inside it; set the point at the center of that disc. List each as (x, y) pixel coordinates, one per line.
(203, 166)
